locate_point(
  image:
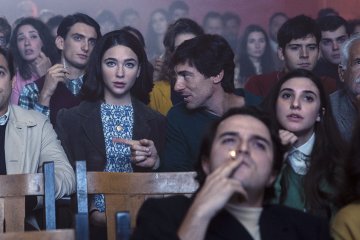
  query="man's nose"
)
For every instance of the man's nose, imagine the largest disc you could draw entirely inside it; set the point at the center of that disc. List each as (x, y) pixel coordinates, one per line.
(179, 84)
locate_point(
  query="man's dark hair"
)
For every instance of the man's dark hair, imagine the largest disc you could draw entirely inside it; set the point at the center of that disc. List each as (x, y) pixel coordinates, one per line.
(54, 21)
(327, 12)
(278, 148)
(180, 26)
(209, 54)
(5, 28)
(9, 58)
(298, 27)
(229, 16)
(71, 20)
(331, 23)
(211, 14)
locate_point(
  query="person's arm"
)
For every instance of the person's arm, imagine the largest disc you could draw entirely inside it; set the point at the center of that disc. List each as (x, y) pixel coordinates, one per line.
(213, 196)
(177, 154)
(51, 150)
(55, 74)
(29, 99)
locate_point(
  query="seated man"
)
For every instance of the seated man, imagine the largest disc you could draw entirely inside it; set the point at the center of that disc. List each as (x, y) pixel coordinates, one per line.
(345, 102)
(298, 40)
(334, 32)
(27, 138)
(60, 87)
(239, 161)
(204, 68)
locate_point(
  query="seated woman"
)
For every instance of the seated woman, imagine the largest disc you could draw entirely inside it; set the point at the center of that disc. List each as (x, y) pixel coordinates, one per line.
(312, 171)
(110, 119)
(34, 52)
(255, 54)
(346, 223)
(239, 160)
(163, 96)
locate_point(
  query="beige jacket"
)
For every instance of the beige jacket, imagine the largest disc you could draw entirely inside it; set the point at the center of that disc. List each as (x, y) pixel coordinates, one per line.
(30, 140)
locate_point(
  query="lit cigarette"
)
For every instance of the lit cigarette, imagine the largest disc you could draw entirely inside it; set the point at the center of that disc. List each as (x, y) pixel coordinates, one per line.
(64, 63)
(232, 154)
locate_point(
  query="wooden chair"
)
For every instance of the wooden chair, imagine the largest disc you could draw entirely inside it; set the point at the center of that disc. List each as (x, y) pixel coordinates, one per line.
(13, 190)
(127, 191)
(62, 234)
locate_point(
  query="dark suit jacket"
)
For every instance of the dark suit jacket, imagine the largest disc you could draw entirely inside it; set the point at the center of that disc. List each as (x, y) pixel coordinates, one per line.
(161, 218)
(81, 133)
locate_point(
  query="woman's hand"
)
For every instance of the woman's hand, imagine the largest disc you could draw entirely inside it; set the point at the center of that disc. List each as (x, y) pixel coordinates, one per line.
(287, 138)
(143, 152)
(41, 64)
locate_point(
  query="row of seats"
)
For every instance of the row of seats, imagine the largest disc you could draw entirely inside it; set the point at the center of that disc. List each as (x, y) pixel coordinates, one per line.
(124, 194)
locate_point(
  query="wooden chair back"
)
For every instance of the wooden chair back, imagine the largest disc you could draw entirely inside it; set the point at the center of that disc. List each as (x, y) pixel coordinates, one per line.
(13, 190)
(128, 191)
(68, 234)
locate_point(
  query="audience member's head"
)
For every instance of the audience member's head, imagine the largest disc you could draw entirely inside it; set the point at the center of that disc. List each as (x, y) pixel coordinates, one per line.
(46, 14)
(213, 23)
(334, 32)
(76, 37)
(26, 8)
(6, 83)
(54, 23)
(130, 17)
(178, 9)
(116, 47)
(232, 23)
(354, 26)
(211, 61)
(30, 38)
(234, 126)
(327, 12)
(275, 22)
(349, 68)
(5, 32)
(107, 21)
(299, 39)
(181, 30)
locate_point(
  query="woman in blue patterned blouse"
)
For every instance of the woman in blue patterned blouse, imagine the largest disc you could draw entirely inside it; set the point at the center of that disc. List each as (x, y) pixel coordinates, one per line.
(111, 122)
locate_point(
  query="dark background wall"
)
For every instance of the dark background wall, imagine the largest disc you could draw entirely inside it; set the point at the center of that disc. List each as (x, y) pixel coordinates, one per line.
(250, 11)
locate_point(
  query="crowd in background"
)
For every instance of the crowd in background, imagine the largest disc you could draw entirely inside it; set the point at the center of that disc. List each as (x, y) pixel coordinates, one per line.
(130, 101)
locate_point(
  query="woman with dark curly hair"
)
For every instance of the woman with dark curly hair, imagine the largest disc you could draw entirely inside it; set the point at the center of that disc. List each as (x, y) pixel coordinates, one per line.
(255, 54)
(34, 52)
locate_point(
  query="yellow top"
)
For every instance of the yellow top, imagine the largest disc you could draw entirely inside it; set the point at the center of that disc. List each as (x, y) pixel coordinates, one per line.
(346, 223)
(160, 97)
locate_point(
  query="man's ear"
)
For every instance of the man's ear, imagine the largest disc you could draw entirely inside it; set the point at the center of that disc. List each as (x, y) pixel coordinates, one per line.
(341, 72)
(59, 42)
(218, 78)
(280, 54)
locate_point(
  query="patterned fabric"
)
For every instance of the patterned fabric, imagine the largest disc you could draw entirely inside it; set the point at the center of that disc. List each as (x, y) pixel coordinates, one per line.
(118, 122)
(299, 158)
(29, 96)
(74, 85)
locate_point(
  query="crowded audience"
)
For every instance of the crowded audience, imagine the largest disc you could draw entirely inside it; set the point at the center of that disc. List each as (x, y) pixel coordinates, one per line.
(267, 117)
